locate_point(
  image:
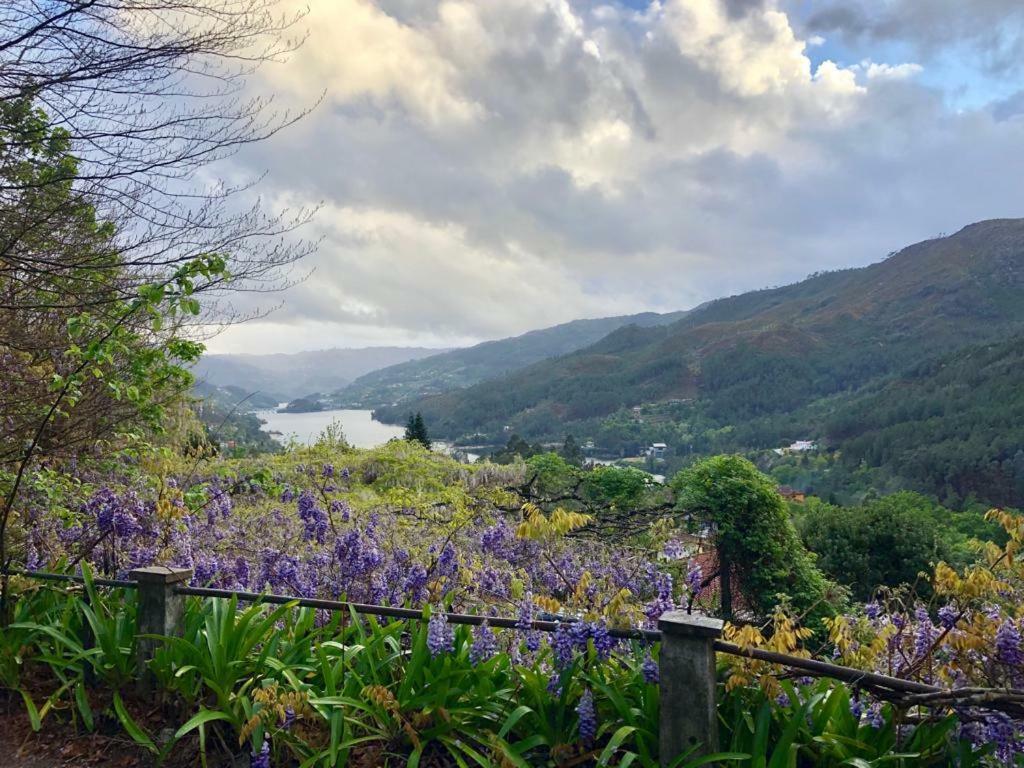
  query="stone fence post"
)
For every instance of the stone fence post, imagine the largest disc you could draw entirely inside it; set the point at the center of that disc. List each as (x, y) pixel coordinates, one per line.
(689, 714)
(160, 611)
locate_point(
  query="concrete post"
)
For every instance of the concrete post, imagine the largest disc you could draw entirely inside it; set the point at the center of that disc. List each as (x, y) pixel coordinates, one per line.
(159, 611)
(689, 715)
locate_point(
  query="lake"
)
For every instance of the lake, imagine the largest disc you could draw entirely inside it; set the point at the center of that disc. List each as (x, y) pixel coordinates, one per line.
(359, 428)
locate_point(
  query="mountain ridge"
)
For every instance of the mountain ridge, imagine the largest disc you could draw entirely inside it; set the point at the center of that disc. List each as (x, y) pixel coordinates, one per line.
(285, 376)
(488, 360)
(768, 351)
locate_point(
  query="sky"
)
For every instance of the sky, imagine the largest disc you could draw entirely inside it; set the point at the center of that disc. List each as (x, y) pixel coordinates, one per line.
(487, 167)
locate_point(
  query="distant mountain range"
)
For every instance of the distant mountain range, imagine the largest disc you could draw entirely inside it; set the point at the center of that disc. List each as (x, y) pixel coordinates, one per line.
(492, 359)
(812, 359)
(284, 377)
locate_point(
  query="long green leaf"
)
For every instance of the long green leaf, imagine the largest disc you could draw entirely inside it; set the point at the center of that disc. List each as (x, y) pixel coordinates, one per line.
(614, 743)
(82, 702)
(131, 727)
(202, 717)
(33, 712)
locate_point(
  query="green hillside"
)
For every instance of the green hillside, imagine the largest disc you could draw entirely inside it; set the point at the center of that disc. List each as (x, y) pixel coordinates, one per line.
(465, 367)
(805, 360)
(287, 376)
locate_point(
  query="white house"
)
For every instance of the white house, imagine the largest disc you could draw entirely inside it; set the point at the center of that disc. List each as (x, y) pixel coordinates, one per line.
(800, 446)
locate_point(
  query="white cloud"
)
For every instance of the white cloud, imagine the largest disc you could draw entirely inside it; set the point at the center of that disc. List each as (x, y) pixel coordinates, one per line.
(498, 166)
(356, 51)
(875, 71)
(509, 287)
(753, 55)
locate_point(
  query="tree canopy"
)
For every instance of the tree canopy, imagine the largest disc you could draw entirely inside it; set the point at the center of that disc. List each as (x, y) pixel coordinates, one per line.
(759, 552)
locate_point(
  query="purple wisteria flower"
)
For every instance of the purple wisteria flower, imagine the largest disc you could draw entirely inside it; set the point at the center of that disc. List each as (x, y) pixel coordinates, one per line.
(857, 707)
(588, 718)
(525, 624)
(261, 759)
(924, 633)
(341, 509)
(1001, 731)
(555, 684)
(415, 584)
(241, 572)
(447, 562)
(604, 643)
(219, 504)
(674, 550)
(31, 557)
(440, 637)
(1008, 644)
(485, 644)
(115, 514)
(314, 519)
(947, 616)
(694, 578)
(562, 646)
(497, 540)
(662, 601)
(649, 670)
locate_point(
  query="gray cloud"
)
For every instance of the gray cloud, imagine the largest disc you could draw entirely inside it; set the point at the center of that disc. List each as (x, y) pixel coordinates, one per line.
(739, 8)
(524, 163)
(992, 30)
(1010, 107)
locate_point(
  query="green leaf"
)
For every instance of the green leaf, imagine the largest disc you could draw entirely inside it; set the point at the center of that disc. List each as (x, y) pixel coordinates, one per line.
(717, 757)
(202, 717)
(131, 727)
(33, 712)
(82, 702)
(614, 743)
(512, 719)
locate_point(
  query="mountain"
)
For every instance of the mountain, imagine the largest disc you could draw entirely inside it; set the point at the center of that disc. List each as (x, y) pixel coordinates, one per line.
(284, 377)
(230, 397)
(798, 361)
(226, 413)
(465, 367)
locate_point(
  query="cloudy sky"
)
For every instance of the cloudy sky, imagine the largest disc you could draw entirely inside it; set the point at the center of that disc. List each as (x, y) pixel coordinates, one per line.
(491, 166)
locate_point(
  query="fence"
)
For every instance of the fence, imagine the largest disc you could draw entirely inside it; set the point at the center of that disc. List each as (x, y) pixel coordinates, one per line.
(688, 676)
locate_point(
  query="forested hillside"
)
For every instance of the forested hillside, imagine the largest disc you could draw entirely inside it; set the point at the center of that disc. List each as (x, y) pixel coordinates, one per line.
(890, 363)
(465, 367)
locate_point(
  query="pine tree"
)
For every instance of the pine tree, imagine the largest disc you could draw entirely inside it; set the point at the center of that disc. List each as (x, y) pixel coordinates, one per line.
(416, 430)
(571, 451)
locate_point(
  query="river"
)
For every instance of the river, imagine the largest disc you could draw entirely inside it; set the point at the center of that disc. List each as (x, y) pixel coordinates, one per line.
(359, 428)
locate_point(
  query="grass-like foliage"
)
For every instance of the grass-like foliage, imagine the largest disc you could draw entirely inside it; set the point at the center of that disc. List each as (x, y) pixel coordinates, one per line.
(300, 687)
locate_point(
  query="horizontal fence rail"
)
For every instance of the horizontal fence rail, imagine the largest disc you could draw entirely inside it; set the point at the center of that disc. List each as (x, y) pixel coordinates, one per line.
(825, 669)
(70, 577)
(471, 619)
